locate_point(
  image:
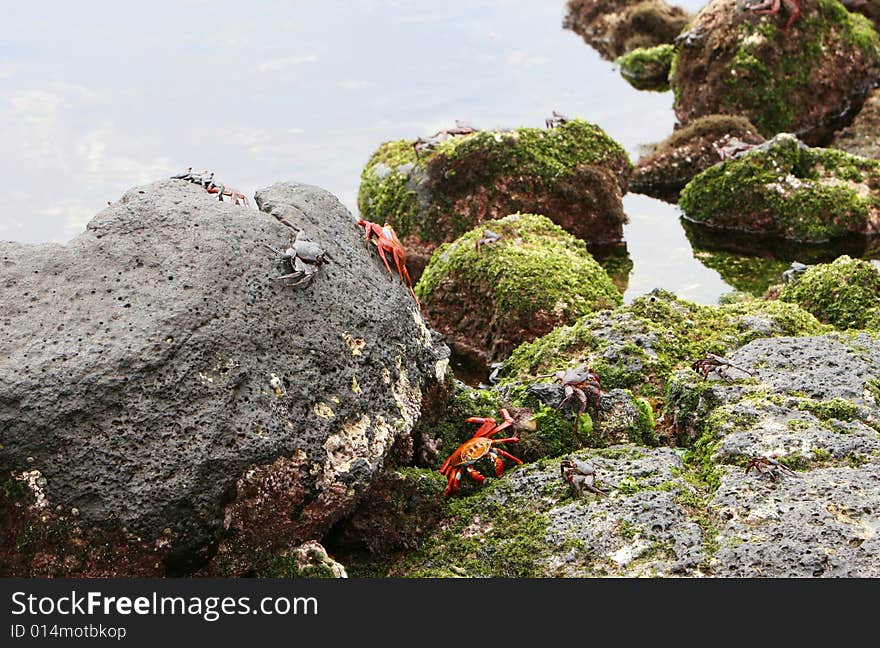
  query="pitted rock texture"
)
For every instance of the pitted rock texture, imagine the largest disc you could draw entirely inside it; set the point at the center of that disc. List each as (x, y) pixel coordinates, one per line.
(165, 385)
(531, 523)
(811, 406)
(823, 523)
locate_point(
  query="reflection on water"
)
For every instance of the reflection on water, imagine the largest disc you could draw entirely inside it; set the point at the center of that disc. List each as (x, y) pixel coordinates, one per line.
(662, 255)
(306, 90)
(752, 263)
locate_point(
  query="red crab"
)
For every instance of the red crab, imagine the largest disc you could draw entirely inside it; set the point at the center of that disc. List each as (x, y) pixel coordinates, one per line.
(773, 7)
(386, 240)
(477, 447)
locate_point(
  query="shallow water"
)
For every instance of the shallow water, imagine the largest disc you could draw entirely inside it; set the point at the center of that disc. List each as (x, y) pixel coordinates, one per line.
(96, 97)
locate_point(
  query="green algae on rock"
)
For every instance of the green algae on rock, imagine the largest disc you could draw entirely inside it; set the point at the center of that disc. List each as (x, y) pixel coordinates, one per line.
(787, 189)
(639, 346)
(615, 27)
(574, 173)
(647, 68)
(845, 293)
(487, 299)
(531, 524)
(797, 80)
(675, 161)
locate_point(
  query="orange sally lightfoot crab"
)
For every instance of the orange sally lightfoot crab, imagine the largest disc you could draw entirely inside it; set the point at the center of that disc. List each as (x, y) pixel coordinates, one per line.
(385, 239)
(478, 446)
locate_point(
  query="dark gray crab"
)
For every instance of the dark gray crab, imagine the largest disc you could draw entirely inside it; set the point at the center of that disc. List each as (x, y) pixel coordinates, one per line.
(769, 466)
(712, 363)
(556, 119)
(301, 261)
(489, 237)
(796, 268)
(580, 475)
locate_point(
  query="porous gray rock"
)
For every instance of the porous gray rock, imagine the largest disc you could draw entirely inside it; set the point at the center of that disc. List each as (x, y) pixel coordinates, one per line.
(812, 405)
(163, 383)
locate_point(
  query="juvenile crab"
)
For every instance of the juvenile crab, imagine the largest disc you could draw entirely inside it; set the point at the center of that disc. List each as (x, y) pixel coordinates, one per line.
(477, 447)
(428, 143)
(489, 237)
(796, 268)
(764, 465)
(580, 475)
(303, 260)
(205, 180)
(385, 239)
(715, 363)
(773, 7)
(583, 383)
(556, 119)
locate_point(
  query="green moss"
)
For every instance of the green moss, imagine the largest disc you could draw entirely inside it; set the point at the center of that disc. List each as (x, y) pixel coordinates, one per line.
(647, 68)
(788, 190)
(673, 333)
(482, 538)
(843, 293)
(836, 408)
(769, 76)
(535, 266)
(394, 176)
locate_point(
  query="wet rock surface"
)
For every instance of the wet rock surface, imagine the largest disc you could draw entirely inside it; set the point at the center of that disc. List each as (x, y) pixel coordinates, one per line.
(160, 389)
(616, 27)
(801, 80)
(706, 141)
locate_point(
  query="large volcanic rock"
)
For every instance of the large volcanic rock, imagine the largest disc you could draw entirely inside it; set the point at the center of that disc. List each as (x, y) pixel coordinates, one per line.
(799, 80)
(161, 393)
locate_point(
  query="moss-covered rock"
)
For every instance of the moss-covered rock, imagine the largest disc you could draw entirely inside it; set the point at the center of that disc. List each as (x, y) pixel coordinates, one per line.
(531, 523)
(638, 346)
(572, 172)
(616, 27)
(739, 62)
(786, 189)
(690, 150)
(489, 297)
(845, 294)
(647, 68)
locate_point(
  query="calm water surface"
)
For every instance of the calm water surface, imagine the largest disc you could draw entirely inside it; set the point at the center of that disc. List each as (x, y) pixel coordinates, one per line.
(98, 96)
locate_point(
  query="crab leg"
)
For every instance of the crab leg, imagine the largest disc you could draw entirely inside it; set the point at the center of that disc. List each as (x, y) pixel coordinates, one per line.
(473, 474)
(487, 425)
(504, 453)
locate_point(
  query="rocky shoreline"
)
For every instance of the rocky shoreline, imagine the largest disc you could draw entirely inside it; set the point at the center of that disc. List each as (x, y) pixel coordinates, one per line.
(191, 387)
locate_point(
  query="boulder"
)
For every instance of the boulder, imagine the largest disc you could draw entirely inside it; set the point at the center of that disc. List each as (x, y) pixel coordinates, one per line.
(689, 151)
(783, 188)
(487, 295)
(801, 80)
(163, 394)
(572, 172)
(639, 346)
(615, 27)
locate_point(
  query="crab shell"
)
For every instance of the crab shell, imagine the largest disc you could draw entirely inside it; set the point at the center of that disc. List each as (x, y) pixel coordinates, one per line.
(473, 450)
